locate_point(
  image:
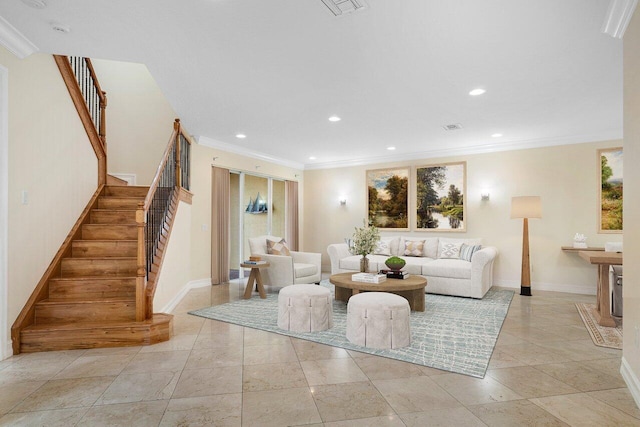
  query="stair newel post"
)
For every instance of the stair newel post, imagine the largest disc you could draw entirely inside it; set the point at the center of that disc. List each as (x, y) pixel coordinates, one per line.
(141, 273)
(176, 127)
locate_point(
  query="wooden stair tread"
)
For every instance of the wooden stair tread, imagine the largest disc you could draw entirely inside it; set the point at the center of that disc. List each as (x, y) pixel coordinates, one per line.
(93, 278)
(60, 301)
(158, 318)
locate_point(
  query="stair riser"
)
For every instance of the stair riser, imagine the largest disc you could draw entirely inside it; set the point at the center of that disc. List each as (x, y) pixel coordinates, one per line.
(109, 232)
(126, 191)
(79, 267)
(87, 248)
(99, 311)
(113, 217)
(119, 203)
(92, 289)
(117, 336)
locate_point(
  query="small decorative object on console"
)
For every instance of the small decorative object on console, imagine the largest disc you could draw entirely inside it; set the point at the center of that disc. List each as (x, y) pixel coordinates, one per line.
(579, 241)
(368, 277)
(395, 263)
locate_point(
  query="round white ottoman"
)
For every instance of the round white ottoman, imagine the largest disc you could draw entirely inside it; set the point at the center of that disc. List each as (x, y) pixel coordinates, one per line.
(378, 320)
(305, 308)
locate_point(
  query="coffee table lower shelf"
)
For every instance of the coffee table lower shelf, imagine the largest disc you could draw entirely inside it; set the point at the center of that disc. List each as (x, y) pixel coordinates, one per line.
(411, 288)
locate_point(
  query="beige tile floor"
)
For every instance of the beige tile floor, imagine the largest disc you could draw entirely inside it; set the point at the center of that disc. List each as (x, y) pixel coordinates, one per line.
(544, 371)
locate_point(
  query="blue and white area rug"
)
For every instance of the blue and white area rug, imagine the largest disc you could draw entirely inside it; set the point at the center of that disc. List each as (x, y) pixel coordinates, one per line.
(453, 334)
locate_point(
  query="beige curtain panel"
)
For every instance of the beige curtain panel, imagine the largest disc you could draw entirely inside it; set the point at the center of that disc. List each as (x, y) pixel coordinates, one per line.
(220, 225)
(291, 218)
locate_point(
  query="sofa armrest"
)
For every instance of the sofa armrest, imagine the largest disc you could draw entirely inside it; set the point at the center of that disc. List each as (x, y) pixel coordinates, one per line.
(482, 269)
(336, 252)
(279, 272)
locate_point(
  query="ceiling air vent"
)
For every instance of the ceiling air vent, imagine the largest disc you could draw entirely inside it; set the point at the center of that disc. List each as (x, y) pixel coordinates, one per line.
(339, 7)
(455, 126)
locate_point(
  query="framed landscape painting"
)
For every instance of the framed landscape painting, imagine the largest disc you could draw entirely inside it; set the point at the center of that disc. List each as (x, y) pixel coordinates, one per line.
(388, 198)
(610, 190)
(441, 197)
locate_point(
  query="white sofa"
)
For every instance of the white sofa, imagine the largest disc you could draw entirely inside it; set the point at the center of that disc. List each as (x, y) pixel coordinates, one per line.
(300, 267)
(448, 276)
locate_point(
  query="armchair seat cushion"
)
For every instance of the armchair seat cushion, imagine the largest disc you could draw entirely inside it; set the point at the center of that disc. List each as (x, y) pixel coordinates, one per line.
(304, 270)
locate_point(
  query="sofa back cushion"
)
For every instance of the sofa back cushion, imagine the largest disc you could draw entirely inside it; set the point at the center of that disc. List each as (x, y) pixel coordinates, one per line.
(429, 246)
(414, 248)
(450, 248)
(467, 251)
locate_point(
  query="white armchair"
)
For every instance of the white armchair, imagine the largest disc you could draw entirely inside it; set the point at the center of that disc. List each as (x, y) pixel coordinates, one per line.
(300, 267)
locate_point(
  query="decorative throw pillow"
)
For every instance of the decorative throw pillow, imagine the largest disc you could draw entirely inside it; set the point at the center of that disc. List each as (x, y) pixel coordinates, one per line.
(449, 250)
(382, 248)
(467, 251)
(413, 247)
(278, 248)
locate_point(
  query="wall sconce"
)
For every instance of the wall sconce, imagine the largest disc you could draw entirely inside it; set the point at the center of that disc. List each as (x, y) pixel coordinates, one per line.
(343, 202)
(484, 196)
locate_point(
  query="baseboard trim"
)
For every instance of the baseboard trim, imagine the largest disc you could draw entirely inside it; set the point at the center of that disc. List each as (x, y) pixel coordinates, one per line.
(629, 377)
(200, 283)
(554, 287)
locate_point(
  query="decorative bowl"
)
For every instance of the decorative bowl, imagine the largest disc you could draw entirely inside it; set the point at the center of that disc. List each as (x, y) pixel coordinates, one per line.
(395, 263)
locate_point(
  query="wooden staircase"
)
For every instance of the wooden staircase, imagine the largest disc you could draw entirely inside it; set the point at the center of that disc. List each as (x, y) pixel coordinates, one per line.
(91, 299)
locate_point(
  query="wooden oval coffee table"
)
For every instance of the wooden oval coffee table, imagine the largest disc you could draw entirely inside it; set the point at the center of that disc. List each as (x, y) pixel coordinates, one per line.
(411, 288)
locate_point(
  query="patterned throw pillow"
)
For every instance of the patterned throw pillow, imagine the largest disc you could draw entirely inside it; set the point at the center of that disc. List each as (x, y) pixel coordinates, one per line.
(278, 248)
(449, 250)
(467, 251)
(382, 248)
(413, 247)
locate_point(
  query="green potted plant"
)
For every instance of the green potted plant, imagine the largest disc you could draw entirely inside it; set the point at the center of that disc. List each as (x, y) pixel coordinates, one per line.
(395, 263)
(364, 241)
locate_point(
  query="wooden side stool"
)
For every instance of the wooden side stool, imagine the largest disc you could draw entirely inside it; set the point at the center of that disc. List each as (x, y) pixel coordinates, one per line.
(254, 278)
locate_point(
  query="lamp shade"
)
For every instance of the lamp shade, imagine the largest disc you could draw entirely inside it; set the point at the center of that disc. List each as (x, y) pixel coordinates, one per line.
(526, 207)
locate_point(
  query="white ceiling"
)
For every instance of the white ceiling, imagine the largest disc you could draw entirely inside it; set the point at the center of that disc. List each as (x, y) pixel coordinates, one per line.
(395, 72)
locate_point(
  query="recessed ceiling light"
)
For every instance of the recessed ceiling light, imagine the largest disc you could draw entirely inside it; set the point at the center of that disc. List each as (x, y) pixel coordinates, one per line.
(60, 28)
(477, 92)
(36, 4)
(241, 136)
(496, 135)
(312, 157)
(391, 148)
(334, 119)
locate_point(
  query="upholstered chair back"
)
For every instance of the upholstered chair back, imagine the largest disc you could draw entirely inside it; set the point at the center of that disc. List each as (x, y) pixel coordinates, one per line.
(258, 245)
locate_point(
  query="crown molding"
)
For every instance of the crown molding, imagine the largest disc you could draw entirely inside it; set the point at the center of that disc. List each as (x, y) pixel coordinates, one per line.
(212, 143)
(477, 149)
(618, 17)
(15, 41)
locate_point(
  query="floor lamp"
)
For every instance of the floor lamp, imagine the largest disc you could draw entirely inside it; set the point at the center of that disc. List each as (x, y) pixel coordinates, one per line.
(526, 207)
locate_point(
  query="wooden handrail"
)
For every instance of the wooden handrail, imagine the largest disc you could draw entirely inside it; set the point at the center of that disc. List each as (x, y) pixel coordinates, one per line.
(164, 194)
(97, 137)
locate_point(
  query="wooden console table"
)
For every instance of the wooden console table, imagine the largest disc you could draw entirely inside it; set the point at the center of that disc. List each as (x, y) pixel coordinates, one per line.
(603, 260)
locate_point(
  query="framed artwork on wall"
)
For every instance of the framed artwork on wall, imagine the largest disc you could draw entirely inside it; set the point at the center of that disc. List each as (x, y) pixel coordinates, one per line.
(388, 198)
(441, 191)
(610, 190)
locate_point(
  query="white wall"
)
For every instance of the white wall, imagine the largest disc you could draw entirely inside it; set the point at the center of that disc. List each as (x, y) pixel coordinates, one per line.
(631, 288)
(50, 158)
(139, 119)
(176, 268)
(566, 177)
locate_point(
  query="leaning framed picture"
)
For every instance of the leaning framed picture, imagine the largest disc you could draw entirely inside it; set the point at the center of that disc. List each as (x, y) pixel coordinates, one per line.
(441, 191)
(388, 198)
(610, 190)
